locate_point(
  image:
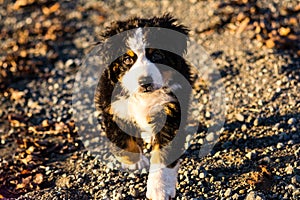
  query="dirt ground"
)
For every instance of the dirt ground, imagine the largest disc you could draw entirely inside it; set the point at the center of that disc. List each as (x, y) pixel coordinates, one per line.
(256, 48)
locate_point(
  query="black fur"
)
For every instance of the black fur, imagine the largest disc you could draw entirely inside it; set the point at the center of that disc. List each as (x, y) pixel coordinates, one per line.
(117, 68)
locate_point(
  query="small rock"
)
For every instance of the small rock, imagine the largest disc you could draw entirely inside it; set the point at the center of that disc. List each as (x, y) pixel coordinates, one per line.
(279, 145)
(228, 192)
(80, 180)
(260, 102)
(265, 160)
(257, 121)
(297, 153)
(292, 121)
(235, 196)
(251, 155)
(254, 196)
(295, 179)
(276, 126)
(211, 137)
(296, 193)
(240, 117)
(69, 62)
(38, 179)
(290, 187)
(289, 169)
(45, 123)
(244, 127)
(202, 174)
(134, 192)
(290, 142)
(242, 191)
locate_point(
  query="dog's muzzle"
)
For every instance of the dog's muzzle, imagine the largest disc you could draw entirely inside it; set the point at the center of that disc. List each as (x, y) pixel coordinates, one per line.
(146, 84)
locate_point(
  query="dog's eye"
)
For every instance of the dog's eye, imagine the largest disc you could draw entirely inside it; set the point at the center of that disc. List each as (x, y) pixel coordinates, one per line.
(157, 56)
(128, 60)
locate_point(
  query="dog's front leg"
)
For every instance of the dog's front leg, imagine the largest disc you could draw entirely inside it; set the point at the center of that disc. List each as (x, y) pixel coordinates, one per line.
(162, 179)
(131, 157)
(164, 165)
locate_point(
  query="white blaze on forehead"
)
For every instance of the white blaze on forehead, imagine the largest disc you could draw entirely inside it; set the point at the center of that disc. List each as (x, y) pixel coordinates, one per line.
(142, 66)
(137, 42)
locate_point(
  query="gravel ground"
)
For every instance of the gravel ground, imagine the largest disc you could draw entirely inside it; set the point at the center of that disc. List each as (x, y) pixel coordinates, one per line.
(256, 47)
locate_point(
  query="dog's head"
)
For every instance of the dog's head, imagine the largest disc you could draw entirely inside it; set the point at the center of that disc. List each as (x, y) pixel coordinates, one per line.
(138, 70)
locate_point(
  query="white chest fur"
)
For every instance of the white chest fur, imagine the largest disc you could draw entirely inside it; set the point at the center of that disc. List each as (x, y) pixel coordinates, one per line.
(139, 107)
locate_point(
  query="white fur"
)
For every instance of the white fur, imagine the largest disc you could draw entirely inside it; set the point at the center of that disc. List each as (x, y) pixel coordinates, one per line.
(142, 163)
(161, 184)
(142, 67)
(137, 42)
(138, 107)
(120, 108)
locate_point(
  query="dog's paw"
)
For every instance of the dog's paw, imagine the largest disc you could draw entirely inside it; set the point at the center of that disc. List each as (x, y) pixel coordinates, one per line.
(161, 183)
(142, 163)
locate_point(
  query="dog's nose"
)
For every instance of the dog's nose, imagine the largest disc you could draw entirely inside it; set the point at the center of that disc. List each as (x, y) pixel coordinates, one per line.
(146, 82)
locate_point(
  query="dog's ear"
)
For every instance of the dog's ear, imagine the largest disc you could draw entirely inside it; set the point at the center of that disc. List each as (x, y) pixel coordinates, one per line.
(165, 21)
(168, 21)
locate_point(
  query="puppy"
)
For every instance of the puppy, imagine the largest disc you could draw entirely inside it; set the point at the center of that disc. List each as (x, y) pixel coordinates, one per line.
(137, 97)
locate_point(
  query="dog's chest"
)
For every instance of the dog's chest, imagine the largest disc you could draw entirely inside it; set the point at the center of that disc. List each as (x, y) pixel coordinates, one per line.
(141, 109)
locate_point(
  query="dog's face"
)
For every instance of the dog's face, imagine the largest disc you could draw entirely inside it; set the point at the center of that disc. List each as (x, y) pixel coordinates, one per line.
(143, 75)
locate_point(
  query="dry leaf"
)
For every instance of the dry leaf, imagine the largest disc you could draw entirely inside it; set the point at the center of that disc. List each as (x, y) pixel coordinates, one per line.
(262, 180)
(20, 3)
(25, 171)
(51, 9)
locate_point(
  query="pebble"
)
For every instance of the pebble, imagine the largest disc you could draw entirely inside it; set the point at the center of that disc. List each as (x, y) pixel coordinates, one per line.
(279, 145)
(240, 117)
(235, 196)
(69, 62)
(251, 155)
(202, 174)
(295, 179)
(211, 137)
(265, 160)
(244, 127)
(260, 102)
(257, 121)
(292, 121)
(253, 195)
(228, 192)
(289, 169)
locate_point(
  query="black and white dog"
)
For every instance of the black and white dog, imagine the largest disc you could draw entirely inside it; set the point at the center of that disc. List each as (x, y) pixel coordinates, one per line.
(136, 96)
